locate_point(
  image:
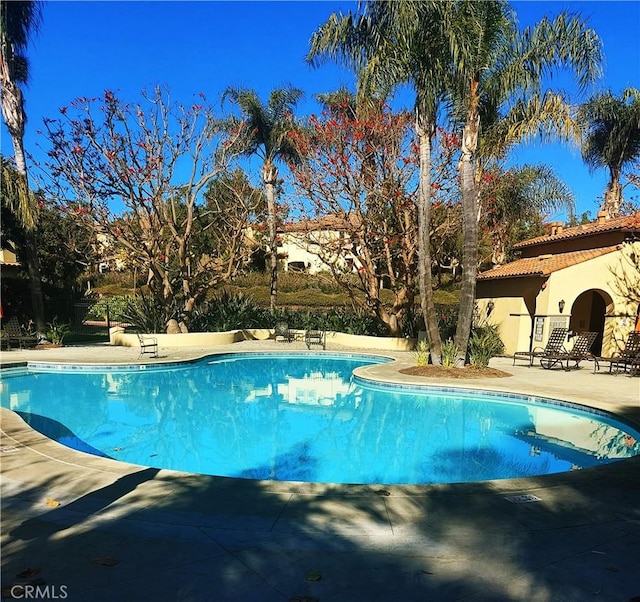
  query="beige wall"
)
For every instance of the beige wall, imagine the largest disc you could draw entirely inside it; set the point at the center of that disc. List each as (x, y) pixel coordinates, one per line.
(309, 248)
(611, 275)
(118, 336)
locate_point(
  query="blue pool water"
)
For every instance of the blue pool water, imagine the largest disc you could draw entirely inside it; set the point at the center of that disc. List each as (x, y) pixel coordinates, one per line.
(304, 417)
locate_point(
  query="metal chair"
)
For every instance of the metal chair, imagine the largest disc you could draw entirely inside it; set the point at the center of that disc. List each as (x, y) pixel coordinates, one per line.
(148, 345)
(282, 334)
(316, 337)
(555, 344)
(627, 359)
(580, 351)
(13, 333)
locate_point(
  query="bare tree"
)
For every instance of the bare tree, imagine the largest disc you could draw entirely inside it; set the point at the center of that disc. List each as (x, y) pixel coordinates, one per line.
(138, 173)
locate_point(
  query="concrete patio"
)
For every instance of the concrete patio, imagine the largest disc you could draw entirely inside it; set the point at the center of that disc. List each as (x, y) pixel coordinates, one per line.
(82, 528)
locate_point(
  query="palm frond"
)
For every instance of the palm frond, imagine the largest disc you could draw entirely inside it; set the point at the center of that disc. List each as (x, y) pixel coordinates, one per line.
(16, 196)
(611, 130)
(534, 117)
(19, 22)
(267, 124)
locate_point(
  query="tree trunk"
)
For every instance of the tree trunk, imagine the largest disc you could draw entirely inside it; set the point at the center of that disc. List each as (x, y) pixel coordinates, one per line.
(270, 177)
(35, 284)
(469, 232)
(613, 195)
(15, 118)
(425, 282)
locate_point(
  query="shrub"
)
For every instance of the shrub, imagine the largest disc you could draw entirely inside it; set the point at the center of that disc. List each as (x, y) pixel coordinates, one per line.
(413, 322)
(56, 332)
(484, 343)
(353, 322)
(339, 319)
(146, 314)
(447, 320)
(449, 353)
(422, 353)
(116, 306)
(227, 311)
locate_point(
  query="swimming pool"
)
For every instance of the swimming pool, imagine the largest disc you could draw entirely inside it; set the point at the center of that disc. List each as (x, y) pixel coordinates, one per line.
(306, 417)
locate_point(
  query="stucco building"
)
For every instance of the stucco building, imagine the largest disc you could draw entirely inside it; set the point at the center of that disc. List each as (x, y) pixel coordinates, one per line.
(310, 245)
(585, 278)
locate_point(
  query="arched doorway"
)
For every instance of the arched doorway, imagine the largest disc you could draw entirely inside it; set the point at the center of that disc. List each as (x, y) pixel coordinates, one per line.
(588, 312)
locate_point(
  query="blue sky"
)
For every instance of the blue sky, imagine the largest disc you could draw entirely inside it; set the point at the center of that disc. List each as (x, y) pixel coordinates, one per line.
(86, 47)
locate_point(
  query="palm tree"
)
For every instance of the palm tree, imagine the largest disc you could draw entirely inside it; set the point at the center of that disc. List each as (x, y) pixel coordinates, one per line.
(268, 127)
(17, 21)
(473, 53)
(495, 65)
(612, 138)
(514, 201)
(388, 44)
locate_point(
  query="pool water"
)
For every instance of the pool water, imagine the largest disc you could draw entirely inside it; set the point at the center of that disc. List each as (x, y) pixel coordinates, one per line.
(305, 417)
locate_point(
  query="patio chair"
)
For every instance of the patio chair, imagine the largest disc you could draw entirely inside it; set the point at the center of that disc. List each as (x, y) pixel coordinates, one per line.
(555, 344)
(580, 351)
(13, 333)
(282, 334)
(316, 337)
(627, 359)
(147, 345)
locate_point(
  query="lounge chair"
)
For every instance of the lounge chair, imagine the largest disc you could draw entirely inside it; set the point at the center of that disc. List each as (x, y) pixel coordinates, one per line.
(580, 351)
(555, 344)
(282, 333)
(147, 345)
(316, 337)
(13, 334)
(627, 359)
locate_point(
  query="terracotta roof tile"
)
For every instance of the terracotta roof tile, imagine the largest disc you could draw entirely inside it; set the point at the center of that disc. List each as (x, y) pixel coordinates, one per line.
(328, 222)
(625, 223)
(544, 265)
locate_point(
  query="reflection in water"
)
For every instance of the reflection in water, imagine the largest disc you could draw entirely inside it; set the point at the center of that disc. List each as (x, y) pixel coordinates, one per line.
(304, 418)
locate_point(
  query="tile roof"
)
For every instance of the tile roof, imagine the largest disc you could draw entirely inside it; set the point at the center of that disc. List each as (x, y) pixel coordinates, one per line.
(328, 222)
(623, 223)
(544, 265)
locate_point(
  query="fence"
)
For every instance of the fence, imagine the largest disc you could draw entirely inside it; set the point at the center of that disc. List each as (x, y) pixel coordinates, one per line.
(83, 323)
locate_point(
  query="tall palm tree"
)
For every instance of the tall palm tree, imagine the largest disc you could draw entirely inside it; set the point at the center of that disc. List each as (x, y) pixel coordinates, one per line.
(495, 64)
(612, 138)
(18, 20)
(268, 127)
(389, 44)
(473, 53)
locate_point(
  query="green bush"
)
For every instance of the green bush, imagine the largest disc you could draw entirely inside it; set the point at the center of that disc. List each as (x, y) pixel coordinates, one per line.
(56, 332)
(146, 314)
(413, 322)
(484, 343)
(354, 322)
(447, 320)
(422, 353)
(289, 282)
(449, 353)
(337, 319)
(252, 279)
(227, 311)
(116, 306)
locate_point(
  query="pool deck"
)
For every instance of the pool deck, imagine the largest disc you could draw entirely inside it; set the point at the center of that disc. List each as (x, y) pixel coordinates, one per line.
(93, 529)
